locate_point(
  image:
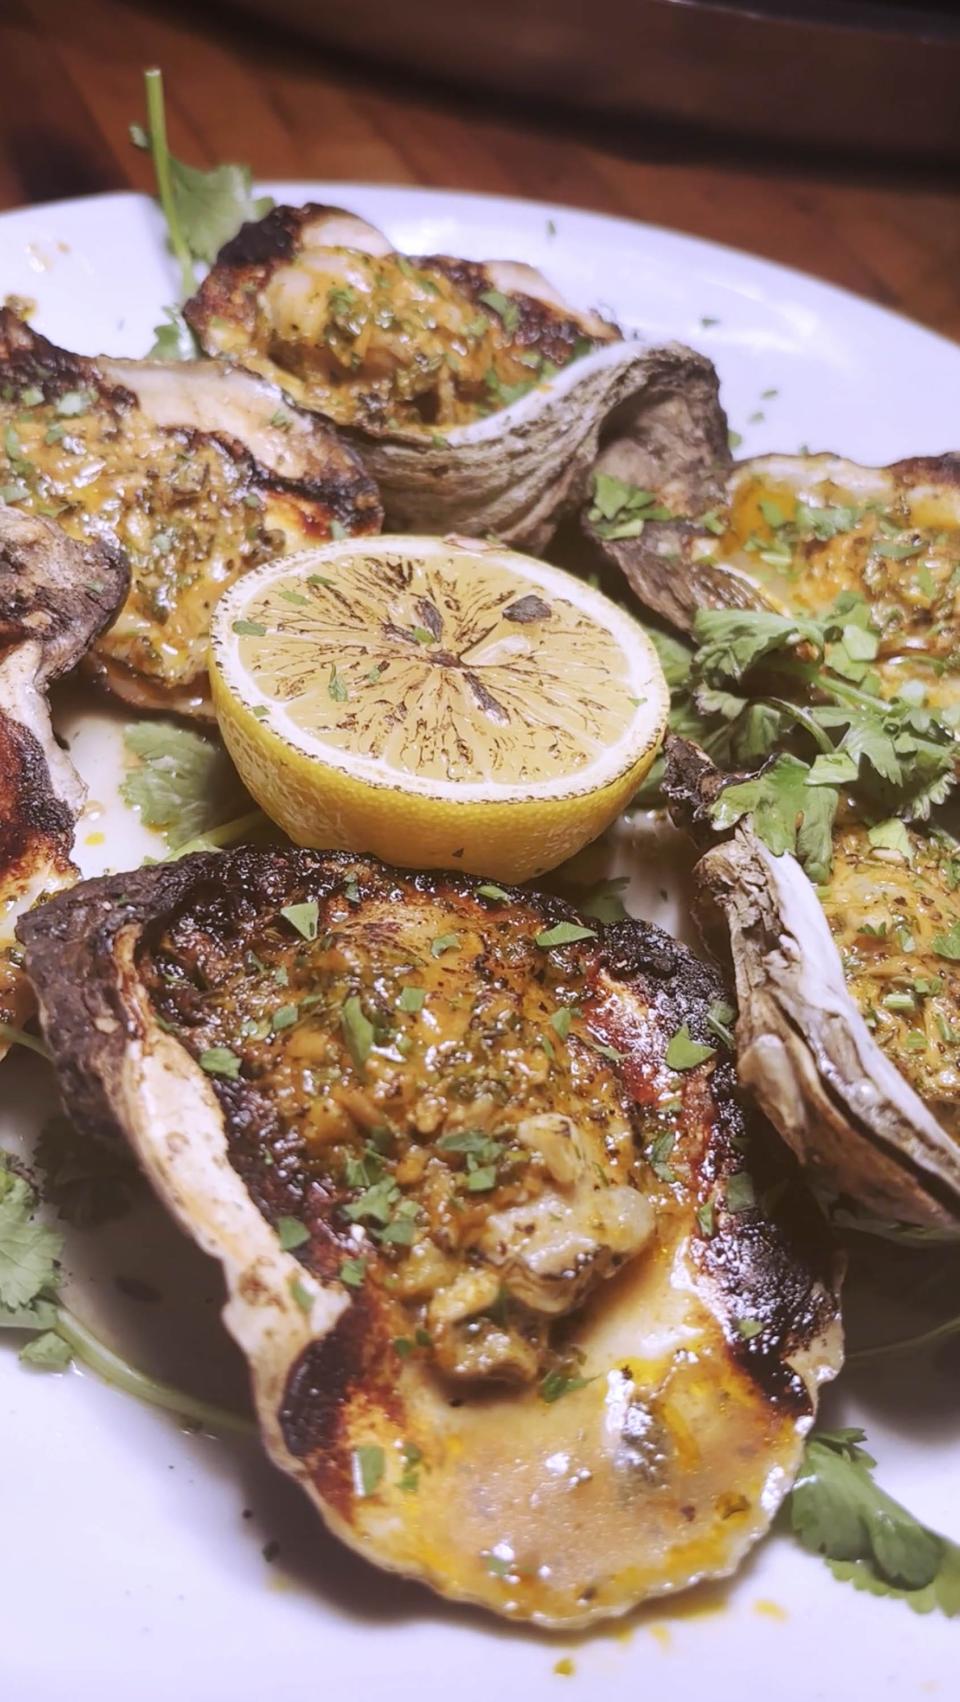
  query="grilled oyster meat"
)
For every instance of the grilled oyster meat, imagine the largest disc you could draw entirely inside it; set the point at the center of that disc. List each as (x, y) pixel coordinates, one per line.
(795, 532)
(517, 1318)
(199, 473)
(475, 394)
(54, 598)
(849, 1001)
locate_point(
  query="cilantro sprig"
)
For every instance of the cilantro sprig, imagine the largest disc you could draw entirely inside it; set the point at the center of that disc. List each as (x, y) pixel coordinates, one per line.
(32, 1308)
(202, 209)
(868, 1539)
(801, 696)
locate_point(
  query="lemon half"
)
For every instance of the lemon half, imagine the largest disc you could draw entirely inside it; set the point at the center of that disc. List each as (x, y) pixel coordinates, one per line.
(442, 703)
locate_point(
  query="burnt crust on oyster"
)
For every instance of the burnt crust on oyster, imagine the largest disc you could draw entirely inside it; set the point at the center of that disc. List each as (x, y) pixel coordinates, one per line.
(198, 472)
(692, 1328)
(475, 394)
(54, 598)
(804, 1049)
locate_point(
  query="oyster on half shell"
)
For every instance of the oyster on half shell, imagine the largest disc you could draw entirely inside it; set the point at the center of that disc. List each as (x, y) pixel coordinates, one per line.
(476, 395)
(532, 1314)
(197, 472)
(795, 532)
(848, 1031)
(55, 596)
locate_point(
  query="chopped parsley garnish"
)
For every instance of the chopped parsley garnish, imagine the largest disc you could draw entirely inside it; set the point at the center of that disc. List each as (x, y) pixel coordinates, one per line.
(369, 1465)
(358, 1030)
(352, 1273)
(220, 1061)
(560, 1021)
(720, 1018)
(291, 1233)
(304, 917)
(685, 1053)
(412, 999)
(563, 934)
(659, 1156)
(505, 309)
(706, 1218)
(444, 943)
(620, 510)
(488, 890)
(739, 1192)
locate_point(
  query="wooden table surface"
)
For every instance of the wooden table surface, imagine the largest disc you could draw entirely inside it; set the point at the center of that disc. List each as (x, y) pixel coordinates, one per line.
(72, 84)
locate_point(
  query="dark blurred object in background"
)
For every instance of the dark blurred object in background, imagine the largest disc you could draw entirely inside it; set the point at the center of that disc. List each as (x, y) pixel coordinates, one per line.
(859, 75)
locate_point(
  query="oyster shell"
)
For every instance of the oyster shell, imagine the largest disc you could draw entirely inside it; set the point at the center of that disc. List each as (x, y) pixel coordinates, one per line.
(518, 1320)
(54, 598)
(197, 471)
(793, 532)
(474, 393)
(872, 1111)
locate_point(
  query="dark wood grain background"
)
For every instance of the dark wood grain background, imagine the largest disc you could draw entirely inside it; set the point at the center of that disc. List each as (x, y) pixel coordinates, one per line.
(71, 83)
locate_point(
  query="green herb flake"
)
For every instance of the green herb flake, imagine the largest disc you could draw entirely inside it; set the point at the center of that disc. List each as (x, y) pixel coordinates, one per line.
(352, 1273)
(72, 404)
(284, 1017)
(685, 1053)
(739, 1192)
(707, 1218)
(749, 1328)
(336, 686)
(560, 1021)
(369, 1464)
(291, 1233)
(891, 836)
(720, 1019)
(948, 944)
(412, 999)
(358, 1031)
(563, 934)
(304, 917)
(488, 890)
(249, 629)
(220, 1061)
(300, 1293)
(558, 1383)
(444, 943)
(505, 309)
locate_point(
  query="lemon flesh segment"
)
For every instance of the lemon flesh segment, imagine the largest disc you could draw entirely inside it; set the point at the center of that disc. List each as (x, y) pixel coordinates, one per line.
(442, 703)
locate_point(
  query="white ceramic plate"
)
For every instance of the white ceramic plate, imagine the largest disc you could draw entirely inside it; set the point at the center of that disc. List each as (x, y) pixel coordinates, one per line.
(133, 1566)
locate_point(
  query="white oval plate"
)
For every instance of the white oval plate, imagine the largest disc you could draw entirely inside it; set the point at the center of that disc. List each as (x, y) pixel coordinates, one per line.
(133, 1567)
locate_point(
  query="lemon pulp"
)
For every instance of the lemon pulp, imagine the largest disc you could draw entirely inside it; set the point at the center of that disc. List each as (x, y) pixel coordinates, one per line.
(438, 702)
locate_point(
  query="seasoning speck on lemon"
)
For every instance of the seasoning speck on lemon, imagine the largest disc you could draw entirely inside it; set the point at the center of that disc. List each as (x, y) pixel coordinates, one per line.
(440, 703)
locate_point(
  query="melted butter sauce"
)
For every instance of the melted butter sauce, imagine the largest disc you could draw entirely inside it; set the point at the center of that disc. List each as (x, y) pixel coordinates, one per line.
(445, 1103)
(188, 514)
(895, 926)
(388, 343)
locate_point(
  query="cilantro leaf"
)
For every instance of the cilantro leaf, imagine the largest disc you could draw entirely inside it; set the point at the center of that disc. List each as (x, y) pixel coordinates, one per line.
(203, 209)
(304, 917)
(787, 813)
(28, 1250)
(47, 1352)
(603, 901)
(563, 934)
(732, 641)
(358, 1031)
(685, 1053)
(183, 785)
(838, 1511)
(173, 340)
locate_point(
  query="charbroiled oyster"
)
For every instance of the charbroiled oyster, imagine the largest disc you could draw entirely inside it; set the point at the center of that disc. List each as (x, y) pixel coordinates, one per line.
(849, 999)
(474, 392)
(530, 1313)
(54, 598)
(795, 533)
(198, 472)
